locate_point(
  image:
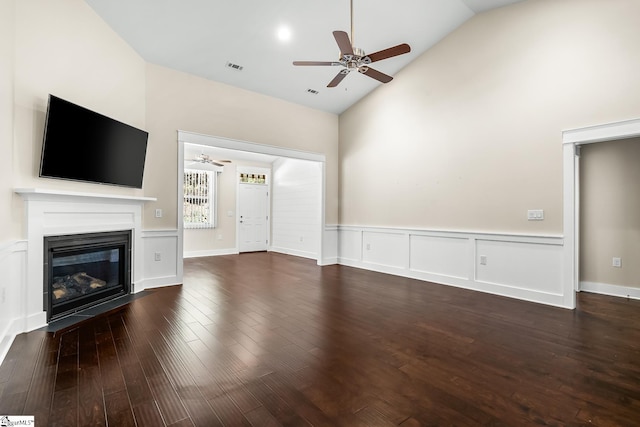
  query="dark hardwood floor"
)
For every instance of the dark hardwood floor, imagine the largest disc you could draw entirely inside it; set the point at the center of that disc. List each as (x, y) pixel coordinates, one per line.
(267, 339)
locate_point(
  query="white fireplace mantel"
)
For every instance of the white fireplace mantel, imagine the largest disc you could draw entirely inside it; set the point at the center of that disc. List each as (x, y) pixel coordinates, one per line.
(47, 194)
(54, 212)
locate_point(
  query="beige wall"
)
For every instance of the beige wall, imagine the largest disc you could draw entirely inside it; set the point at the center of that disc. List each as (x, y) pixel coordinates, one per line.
(178, 101)
(207, 239)
(8, 230)
(468, 136)
(64, 48)
(610, 212)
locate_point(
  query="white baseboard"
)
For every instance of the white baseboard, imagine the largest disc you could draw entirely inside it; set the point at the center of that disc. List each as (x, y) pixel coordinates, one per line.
(7, 335)
(611, 290)
(13, 319)
(329, 261)
(211, 252)
(156, 282)
(294, 252)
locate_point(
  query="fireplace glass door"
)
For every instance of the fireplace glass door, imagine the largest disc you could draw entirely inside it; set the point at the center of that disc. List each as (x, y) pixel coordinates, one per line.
(83, 270)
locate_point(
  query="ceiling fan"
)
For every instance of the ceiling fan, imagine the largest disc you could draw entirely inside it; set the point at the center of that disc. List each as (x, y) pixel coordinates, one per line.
(354, 58)
(206, 160)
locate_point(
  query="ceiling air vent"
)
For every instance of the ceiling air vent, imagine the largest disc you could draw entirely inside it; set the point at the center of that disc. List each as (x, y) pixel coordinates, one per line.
(234, 66)
(313, 91)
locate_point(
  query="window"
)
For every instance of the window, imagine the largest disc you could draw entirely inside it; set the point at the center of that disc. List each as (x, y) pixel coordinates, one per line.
(199, 207)
(253, 178)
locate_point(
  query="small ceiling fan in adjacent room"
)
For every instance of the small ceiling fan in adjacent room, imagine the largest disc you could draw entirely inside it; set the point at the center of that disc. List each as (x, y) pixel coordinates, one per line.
(354, 58)
(204, 159)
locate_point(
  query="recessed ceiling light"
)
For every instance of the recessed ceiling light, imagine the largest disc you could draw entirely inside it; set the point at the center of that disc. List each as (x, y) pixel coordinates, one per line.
(284, 33)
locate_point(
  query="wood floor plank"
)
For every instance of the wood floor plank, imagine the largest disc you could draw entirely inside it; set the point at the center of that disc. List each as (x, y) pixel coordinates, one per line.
(148, 415)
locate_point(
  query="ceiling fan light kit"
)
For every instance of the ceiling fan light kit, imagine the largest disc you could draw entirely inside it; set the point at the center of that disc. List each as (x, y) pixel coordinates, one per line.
(354, 58)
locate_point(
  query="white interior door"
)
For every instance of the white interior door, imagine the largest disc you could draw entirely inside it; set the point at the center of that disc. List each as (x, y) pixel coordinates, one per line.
(253, 217)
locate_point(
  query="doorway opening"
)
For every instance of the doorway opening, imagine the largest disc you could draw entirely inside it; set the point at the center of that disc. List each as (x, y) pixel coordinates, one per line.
(247, 154)
(572, 140)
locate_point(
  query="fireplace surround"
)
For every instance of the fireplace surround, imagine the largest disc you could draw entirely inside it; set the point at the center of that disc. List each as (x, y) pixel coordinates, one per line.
(58, 213)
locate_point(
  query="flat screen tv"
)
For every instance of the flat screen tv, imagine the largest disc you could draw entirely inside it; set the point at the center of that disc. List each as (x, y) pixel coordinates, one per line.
(82, 145)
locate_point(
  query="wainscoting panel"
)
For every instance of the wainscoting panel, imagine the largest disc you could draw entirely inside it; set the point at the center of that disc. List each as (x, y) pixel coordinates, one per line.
(349, 245)
(445, 256)
(532, 266)
(517, 266)
(162, 244)
(329, 246)
(13, 258)
(385, 249)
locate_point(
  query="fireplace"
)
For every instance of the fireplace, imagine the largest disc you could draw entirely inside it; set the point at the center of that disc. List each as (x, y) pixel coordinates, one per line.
(82, 270)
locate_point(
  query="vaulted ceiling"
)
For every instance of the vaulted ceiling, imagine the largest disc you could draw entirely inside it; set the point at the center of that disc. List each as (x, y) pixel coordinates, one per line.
(202, 37)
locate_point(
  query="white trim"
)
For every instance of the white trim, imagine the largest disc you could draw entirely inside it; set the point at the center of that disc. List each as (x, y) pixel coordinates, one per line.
(526, 267)
(50, 213)
(286, 251)
(164, 272)
(47, 195)
(211, 252)
(326, 245)
(611, 290)
(485, 235)
(233, 144)
(329, 256)
(13, 257)
(571, 192)
(213, 141)
(600, 133)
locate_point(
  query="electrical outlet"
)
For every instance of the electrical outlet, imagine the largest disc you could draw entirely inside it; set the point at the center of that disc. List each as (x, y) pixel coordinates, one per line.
(616, 262)
(158, 213)
(535, 215)
(301, 239)
(220, 236)
(368, 246)
(158, 256)
(483, 260)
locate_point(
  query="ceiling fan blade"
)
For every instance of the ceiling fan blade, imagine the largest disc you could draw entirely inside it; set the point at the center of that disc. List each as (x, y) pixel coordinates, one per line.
(338, 78)
(203, 166)
(344, 44)
(375, 74)
(330, 63)
(390, 52)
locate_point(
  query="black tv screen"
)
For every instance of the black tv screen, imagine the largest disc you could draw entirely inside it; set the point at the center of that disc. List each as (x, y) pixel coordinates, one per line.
(82, 145)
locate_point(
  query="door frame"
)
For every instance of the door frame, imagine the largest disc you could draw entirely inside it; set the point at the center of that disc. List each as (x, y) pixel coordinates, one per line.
(220, 142)
(571, 142)
(259, 170)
